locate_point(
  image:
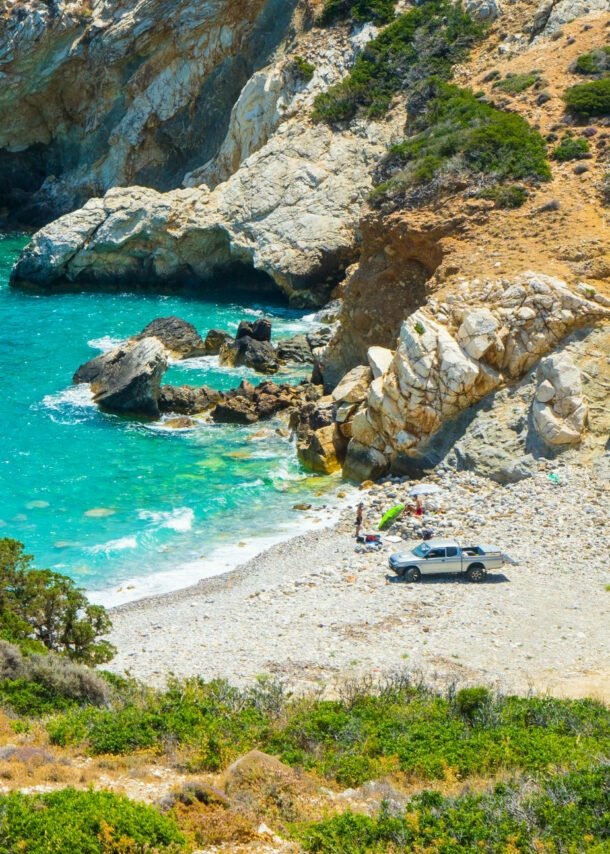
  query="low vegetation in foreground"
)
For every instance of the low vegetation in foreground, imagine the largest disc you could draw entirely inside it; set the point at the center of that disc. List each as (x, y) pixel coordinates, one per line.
(491, 771)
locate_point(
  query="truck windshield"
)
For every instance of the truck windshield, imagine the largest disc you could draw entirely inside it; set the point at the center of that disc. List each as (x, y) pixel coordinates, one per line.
(421, 550)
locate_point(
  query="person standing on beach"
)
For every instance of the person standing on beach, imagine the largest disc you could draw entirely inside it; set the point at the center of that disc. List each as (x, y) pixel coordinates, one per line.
(359, 520)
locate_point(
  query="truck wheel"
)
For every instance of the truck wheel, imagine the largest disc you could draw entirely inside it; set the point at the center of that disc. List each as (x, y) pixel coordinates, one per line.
(476, 573)
(413, 574)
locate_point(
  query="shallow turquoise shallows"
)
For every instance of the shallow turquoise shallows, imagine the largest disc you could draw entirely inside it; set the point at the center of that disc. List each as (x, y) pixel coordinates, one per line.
(124, 507)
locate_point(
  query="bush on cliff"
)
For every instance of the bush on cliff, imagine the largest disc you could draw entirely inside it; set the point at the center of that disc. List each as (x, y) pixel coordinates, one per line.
(40, 609)
(401, 729)
(458, 140)
(429, 39)
(378, 11)
(595, 62)
(39, 684)
(589, 99)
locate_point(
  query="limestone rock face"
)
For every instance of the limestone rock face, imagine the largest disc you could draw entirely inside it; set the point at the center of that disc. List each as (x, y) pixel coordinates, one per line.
(126, 379)
(277, 93)
(559, 411)
(451, 355)
(124, 93)
(291, 211)
(551, 15)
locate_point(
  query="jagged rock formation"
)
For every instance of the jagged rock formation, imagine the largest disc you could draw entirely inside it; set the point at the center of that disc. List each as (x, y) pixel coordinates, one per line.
(451, 354)
(104, 94)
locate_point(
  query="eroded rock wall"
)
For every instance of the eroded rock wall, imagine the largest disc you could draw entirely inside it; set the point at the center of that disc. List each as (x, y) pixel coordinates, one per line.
(291, 211)
(110, 94)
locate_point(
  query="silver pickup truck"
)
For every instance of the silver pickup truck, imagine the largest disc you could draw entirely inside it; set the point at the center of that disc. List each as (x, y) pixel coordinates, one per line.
(446, 556)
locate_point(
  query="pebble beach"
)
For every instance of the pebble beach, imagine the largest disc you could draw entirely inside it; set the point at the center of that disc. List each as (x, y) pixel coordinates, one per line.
(320, 610)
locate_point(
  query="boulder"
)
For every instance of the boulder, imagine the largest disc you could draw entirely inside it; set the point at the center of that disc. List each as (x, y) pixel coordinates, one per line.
(364, 463)
(485, 11)
(178, 336)
(354, 386)
(126, 380)
(262, 784)
(260, 330)
(247, 351)
(320, 450)
(380, 359)
(559, 411)
(295, 349)
(180, 423)
(214, 341)
(186, 399)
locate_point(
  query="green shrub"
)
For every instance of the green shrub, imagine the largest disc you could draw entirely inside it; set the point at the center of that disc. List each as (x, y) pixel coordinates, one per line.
(401, 727)
(471, 701)
(507, 197)
(304, 69)
(514, 84)
(84, 822)
(379, 11)
(429, 39)
(567, 813)
(44, 606)
(589, 99)
(570, 149)
(460, 138)
(594, 62)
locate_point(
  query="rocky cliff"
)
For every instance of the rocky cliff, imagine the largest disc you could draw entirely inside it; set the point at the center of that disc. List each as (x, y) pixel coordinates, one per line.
(111, 94)
(440, 300)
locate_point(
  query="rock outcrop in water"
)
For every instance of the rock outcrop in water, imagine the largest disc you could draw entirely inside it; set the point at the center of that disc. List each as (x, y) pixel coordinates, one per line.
(126, 380)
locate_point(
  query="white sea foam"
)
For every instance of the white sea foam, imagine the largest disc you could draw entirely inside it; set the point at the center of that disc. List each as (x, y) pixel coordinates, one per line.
(105, 343)
(69, 406)
(218, 560)
(180, 519)
(119, 545)
(222, 558)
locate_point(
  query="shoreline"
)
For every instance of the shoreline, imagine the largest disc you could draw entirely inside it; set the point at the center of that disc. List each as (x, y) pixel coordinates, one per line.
(317, 610)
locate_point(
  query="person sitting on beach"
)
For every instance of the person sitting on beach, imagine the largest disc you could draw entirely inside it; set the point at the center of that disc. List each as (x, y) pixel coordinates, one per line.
(416, 509)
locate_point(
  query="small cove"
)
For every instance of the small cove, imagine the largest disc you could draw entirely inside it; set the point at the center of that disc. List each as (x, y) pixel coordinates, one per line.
(129, 508)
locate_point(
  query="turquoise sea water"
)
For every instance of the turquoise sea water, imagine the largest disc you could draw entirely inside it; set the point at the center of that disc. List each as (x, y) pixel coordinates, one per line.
(128, 508)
